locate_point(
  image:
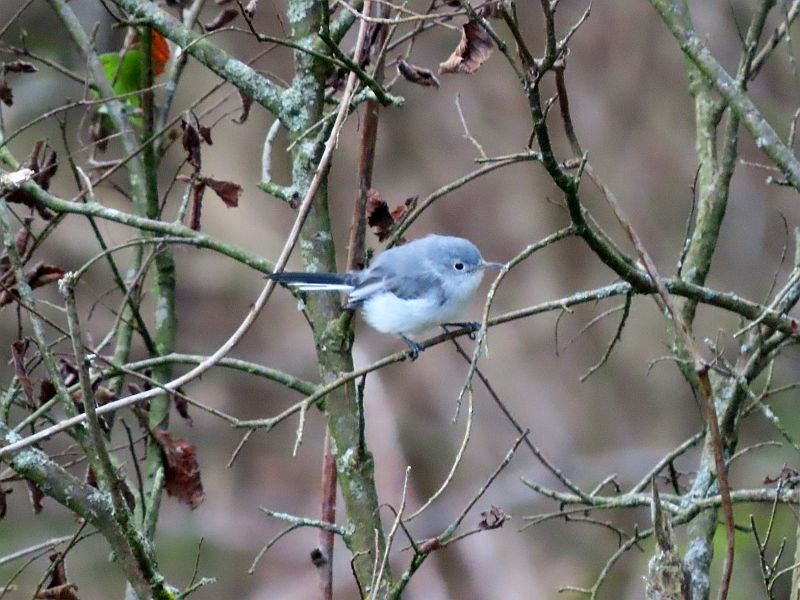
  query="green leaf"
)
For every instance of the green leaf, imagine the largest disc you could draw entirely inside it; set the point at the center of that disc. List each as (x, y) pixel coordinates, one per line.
(124, 73)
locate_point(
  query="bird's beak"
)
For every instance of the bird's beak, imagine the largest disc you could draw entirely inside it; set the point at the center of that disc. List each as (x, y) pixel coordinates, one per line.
(492, 265)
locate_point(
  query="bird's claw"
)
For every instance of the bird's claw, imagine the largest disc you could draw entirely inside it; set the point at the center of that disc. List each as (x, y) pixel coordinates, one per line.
(413, 348)
(471, 326)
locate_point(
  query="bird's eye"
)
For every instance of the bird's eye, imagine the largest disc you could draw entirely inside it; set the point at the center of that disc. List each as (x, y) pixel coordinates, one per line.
(459, 266)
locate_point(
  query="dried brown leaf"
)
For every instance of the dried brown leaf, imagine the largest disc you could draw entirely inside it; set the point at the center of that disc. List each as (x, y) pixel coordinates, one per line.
(182, 406)
(46, 391)
(99, 132)
(379, 217)
(103, 395)
(59, 592)
(58, 588)
(23, 236)
(42, 274)
(43, 169)
(401, 211)
(247, 102)
(36, 496)
(205, 133)
(181, 469)
(8, 294)
(318, 559)
(18, 350)
(491, 10)
(416, 74)
(472, 51)
(126, 492)
(19, 66)
(6, 93)
(91, 477)
(198, 189)
(787, 475)
(493, 518)
(191, 143)
(228, 191)
(3, 504)
(69, 372)
(223, 17)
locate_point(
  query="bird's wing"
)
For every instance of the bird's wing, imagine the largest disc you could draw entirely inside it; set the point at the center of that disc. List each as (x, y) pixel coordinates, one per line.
(406, 287)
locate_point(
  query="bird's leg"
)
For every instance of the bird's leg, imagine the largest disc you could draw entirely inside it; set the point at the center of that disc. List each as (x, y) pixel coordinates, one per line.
(413, 346)
(470, 326)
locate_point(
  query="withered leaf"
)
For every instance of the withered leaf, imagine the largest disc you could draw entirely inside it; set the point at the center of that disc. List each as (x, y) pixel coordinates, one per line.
(379, 217)
(416, 74)
(58, 588)
(205, 133)
(69, 372)
(198, 189)
(491, 10)
(36, 496)
(472, 51)
(787, 475)
(91, 477)
(223, 18)
(191, 143)
(181, 469)
(401, 211)
(59, 592)
(42, 274)
(99, 132)
(228, 191)
(335, 79)
(46, 391)
(126, 492)
(23, 236)
(43, 169)
(135, 388)
(318, 559)
(493, 518)
(18, 350)
(182, 406)
(3, 504)
(59, 576)
(44, 162)
(6, 93)
(103, 395)
(19, 66)
(247, 102)
(385, 221)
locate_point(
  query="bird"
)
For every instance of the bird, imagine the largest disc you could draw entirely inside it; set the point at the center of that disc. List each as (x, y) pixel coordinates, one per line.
(407, 289)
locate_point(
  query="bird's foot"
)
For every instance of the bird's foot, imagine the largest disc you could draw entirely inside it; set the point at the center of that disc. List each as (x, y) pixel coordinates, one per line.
(471, 326)
(413, 347)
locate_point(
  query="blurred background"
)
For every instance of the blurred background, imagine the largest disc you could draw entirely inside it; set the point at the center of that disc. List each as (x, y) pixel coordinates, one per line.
(633, 114)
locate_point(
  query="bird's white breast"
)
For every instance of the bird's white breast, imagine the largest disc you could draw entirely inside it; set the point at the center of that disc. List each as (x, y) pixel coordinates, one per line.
(390, 314)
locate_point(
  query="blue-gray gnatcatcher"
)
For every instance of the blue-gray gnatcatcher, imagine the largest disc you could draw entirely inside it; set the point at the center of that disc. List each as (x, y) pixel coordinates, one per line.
(406, 289)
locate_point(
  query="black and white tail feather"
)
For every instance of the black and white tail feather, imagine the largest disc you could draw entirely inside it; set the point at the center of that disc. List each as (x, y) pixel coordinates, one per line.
(316, 282)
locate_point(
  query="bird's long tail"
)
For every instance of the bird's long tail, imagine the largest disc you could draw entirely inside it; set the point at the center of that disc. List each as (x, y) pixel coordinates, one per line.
(315, 282)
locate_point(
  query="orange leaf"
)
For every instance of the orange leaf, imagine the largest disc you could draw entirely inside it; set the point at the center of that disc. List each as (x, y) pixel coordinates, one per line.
(159, 50)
